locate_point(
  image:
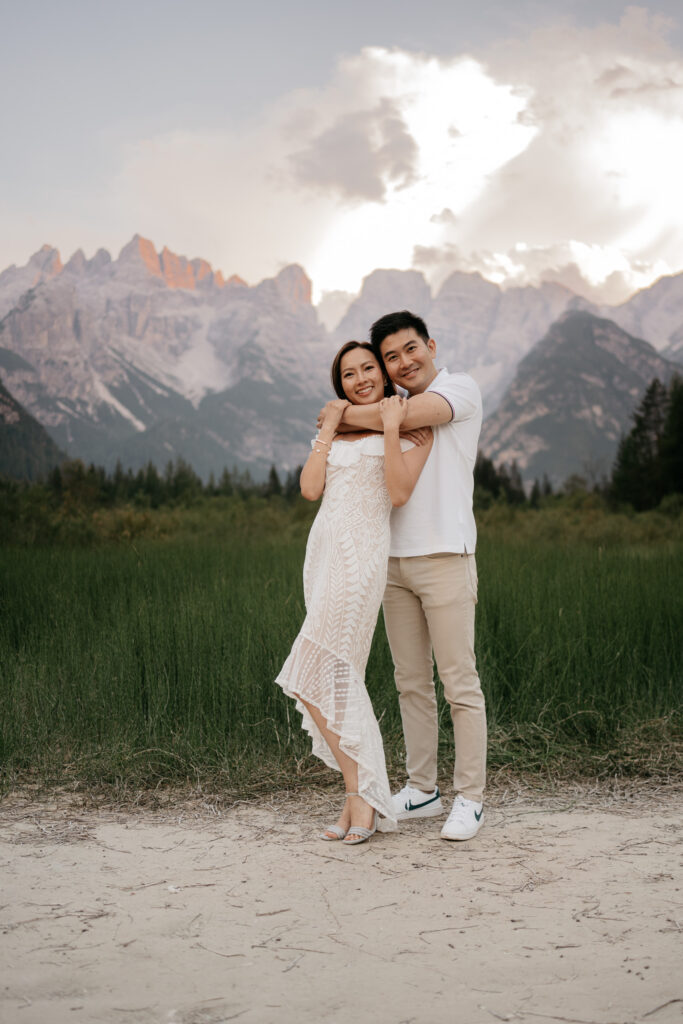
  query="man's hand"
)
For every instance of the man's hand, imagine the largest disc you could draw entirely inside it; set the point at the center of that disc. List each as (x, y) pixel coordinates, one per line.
(419, 435)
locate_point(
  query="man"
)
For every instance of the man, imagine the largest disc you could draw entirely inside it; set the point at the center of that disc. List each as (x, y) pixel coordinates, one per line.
(431, 591)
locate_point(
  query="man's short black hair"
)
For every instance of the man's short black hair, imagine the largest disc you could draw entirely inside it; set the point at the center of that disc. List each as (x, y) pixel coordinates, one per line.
(393, 322)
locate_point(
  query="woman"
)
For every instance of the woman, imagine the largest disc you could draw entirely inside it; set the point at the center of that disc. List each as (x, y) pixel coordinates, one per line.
(362, 475)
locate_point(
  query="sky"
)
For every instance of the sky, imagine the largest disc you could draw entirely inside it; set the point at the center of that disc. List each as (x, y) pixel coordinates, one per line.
(529, 141)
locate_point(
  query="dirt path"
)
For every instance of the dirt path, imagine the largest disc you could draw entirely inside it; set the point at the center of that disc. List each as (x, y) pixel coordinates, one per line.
(550, 914)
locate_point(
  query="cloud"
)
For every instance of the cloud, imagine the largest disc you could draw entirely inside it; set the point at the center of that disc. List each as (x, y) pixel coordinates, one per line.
(599, 274)
(554, 156)
(343, 179)
(445, 217)
(593, 200)
(360, 155)
(623, 82)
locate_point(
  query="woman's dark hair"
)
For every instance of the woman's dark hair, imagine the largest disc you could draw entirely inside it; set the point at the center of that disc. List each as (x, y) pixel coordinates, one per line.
(335, 373)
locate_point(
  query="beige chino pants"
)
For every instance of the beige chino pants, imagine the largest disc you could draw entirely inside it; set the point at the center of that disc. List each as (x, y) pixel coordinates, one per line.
(429, 606)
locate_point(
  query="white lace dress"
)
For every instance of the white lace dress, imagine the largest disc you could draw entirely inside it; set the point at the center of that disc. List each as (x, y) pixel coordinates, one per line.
(345, 572)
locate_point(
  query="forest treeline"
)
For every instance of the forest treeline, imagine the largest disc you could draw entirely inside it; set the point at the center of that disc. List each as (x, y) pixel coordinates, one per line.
(647, 471)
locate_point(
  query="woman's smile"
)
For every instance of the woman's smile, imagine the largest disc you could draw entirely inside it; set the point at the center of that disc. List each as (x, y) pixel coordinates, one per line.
(361, 377)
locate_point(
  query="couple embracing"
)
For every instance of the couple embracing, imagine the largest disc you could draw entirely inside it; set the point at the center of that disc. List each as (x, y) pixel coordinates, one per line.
(395, 527)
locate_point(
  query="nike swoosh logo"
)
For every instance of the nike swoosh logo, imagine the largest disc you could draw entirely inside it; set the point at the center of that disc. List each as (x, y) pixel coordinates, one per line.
(478, 816)
(410, 806)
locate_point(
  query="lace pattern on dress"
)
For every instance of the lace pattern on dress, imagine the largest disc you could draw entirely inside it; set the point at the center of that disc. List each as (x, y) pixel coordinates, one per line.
(344, 578)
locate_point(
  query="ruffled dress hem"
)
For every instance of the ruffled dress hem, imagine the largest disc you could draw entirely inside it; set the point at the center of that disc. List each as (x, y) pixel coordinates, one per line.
(359, 739)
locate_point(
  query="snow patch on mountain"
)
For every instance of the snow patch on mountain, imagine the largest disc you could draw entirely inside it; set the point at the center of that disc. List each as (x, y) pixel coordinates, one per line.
(105, 394)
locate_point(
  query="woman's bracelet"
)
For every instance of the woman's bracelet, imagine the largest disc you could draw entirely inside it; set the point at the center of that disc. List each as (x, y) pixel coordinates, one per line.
(319, 440)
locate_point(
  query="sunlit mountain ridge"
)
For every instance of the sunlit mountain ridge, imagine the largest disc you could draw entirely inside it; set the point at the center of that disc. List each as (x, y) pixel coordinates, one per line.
(155, 356)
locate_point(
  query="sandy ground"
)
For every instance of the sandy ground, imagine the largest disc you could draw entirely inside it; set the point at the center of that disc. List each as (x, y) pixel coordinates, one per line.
(558, 911)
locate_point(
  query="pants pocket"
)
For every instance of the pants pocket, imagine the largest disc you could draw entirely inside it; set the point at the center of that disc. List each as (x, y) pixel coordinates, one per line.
(472, 577)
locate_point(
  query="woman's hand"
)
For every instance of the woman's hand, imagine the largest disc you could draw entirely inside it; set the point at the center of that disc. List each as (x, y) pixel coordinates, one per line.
(393, 412)
(331, 414)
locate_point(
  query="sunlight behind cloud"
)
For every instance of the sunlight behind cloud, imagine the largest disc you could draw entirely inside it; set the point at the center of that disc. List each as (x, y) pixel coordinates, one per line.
(642, 149)
(465, 126)
(552, 157)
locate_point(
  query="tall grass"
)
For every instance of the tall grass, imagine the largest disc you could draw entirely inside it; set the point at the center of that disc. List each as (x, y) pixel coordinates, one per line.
(131, 664)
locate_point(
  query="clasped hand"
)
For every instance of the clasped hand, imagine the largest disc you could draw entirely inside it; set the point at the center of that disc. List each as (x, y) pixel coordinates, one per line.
(331, 413)
(390, 408)
(393, 411)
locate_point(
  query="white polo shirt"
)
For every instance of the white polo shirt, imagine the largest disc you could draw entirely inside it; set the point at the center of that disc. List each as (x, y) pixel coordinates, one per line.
(438, 515)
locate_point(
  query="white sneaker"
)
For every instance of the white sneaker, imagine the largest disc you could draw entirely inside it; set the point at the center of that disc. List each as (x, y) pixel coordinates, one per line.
(465, 819)
(413, 803)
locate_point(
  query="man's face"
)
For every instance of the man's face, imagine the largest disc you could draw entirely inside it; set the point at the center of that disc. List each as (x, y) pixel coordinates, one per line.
(409, 360)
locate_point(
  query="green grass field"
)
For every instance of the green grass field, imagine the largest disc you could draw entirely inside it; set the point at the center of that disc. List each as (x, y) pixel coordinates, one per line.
(146, 662)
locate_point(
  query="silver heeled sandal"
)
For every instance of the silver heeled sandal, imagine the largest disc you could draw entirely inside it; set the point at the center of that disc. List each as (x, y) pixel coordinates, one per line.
(339, 833)
(362, 834)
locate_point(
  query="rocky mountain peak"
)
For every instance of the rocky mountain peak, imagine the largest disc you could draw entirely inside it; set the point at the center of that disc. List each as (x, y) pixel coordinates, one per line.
(574, 323)
(42, 266)
(77, 264)
(140, 252)
(48, 261)
(571, 398)
(176, 270)
(655, 313)
(101, 259)
(294, 286)
(384, 291)
(461, 283)
(381, 285)
(581, 331)
(204, 275)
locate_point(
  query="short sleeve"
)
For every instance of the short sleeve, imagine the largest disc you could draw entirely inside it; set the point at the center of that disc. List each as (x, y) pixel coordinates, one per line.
(348, 453)
(461, 392)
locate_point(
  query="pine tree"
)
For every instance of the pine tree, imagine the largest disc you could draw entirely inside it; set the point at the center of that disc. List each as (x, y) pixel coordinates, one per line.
(154, 486)
(225, 483)
(273, 486)
(636, 477)
(516, 495)
(485, 475)
(291, 487)
(671, 442)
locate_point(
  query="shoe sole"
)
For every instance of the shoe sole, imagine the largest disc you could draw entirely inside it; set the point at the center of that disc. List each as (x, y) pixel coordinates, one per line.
(461, 838)
(433, 811)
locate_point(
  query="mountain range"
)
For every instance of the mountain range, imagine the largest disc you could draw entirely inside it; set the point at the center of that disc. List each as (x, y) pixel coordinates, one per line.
(154, 356)
(572, 398)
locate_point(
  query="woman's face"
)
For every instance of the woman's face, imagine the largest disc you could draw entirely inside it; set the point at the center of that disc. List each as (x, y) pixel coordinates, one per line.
(361, 377)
